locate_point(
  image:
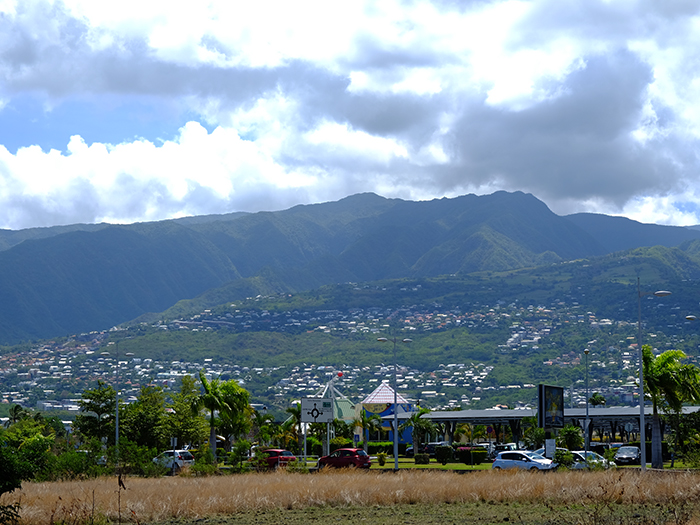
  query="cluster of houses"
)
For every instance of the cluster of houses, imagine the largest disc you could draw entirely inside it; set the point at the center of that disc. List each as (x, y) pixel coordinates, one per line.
(52, 375)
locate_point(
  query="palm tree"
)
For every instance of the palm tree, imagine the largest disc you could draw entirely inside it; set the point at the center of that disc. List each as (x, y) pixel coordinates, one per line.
(16, 414)
(367, 423)
(669, 383)
(295, 411)
(596, 399)
(212, 399)
(263, 426)
(286, 434)
(420, 427)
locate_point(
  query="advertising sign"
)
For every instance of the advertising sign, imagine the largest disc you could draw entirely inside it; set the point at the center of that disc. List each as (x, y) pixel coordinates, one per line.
(550, 413)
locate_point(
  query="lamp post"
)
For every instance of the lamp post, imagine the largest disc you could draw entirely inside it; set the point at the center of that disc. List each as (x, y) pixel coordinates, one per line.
(642, 430)
(116, 412)
(396, 412)
(585, 426)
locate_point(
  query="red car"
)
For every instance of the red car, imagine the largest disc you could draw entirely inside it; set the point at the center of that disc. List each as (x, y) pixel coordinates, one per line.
(346, 457)
(277, 457)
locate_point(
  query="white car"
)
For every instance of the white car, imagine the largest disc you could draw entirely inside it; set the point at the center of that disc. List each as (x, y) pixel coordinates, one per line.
(523, 460)
(594, 460)
(174, 459)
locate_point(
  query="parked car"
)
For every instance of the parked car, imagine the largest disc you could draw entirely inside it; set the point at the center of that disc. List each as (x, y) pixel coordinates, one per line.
(540, 450)
(502, 447)
(595, 460)
(277, 457)
(346, 457)
(174, 459)
(522, 459)
(628, 455)
(426, 449)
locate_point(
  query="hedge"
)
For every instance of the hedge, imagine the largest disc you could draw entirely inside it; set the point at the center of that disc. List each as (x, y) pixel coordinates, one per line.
(374, 447)
(472, 455)
(444, 454)
(422, 459)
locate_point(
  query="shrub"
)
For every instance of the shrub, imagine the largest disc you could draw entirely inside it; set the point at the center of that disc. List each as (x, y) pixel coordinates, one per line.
(314, 446)
(340, 442)
(422, 459)
(259, 462)
(564, 458)
(444, 454)
(298, 466)
(381, 458)
(472, 455)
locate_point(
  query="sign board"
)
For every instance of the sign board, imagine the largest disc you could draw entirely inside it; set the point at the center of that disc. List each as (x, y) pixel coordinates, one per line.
(550, 447)
(316, 410)
(550, 413)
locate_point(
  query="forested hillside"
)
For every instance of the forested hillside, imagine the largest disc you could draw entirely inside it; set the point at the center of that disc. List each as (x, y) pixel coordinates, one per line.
(57, 281)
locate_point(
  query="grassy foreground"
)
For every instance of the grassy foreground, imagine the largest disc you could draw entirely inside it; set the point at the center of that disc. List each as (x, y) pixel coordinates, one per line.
(618, 497)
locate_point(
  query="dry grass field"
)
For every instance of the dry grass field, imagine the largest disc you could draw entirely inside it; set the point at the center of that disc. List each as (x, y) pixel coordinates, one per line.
(353, 497)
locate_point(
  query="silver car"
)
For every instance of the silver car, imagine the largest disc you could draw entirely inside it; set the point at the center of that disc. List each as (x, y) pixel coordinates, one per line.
(595, 460)
(174, 459)
(523, 460)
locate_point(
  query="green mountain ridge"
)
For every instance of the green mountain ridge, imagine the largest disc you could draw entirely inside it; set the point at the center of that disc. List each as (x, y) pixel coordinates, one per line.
(99, 276)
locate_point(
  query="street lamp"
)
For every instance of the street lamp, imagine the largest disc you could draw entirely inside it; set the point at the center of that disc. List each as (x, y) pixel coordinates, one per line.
(396, 411)
(116, 415)
(585, 437)
(642, 430)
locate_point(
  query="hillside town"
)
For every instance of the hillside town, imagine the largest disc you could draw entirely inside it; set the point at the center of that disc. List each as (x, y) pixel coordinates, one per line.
(51, 376)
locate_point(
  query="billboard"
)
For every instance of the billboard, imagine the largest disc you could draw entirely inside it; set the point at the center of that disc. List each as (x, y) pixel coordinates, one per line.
(550, 413)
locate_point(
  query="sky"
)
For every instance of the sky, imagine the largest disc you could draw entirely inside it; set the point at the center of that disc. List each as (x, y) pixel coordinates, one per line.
(147, 110)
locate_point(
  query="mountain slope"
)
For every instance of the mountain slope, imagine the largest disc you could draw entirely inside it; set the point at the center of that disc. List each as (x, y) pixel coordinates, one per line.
(87, 280)
(620, 233)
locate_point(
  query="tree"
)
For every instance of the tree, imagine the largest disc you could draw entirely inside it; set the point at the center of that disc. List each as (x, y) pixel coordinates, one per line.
(286, 435)
(16, 414)
(420, 427)
(263, 427)
(597, 399)
(230, 400)
(181, 422)
(211, 400)
(669, 383)
(97, 409)
(295, 411)
(570, 437)
(143, 421)
(235, 418)
(367, 423)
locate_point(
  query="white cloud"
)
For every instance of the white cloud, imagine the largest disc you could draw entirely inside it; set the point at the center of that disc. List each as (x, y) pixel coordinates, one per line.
(589, 105)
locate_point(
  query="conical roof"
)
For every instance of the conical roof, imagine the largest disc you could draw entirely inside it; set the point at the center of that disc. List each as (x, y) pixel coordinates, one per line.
(384, 394)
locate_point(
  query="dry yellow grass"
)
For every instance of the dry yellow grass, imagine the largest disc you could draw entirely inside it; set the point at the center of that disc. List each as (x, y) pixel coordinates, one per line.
(148, 500)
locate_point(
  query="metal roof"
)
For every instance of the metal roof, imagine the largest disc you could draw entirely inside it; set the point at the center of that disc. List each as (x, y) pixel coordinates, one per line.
(384, 394)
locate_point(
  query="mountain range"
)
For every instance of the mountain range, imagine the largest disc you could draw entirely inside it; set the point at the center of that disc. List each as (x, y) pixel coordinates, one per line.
(77, 278)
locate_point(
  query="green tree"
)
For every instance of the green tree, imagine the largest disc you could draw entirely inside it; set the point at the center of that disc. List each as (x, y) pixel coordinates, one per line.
(367, 424)
(420, 427)
(263, 427)
(17, 413)
(181, 422)
(295, 412)
(286, 435)
(230, 400)
(212, 401)
(97, 408)
(670, 383)
(570, 437)
(143, 421)
(235, 418)
(597, 399)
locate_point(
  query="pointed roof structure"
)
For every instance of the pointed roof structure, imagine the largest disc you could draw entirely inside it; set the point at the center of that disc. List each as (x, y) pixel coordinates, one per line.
(384, 394)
